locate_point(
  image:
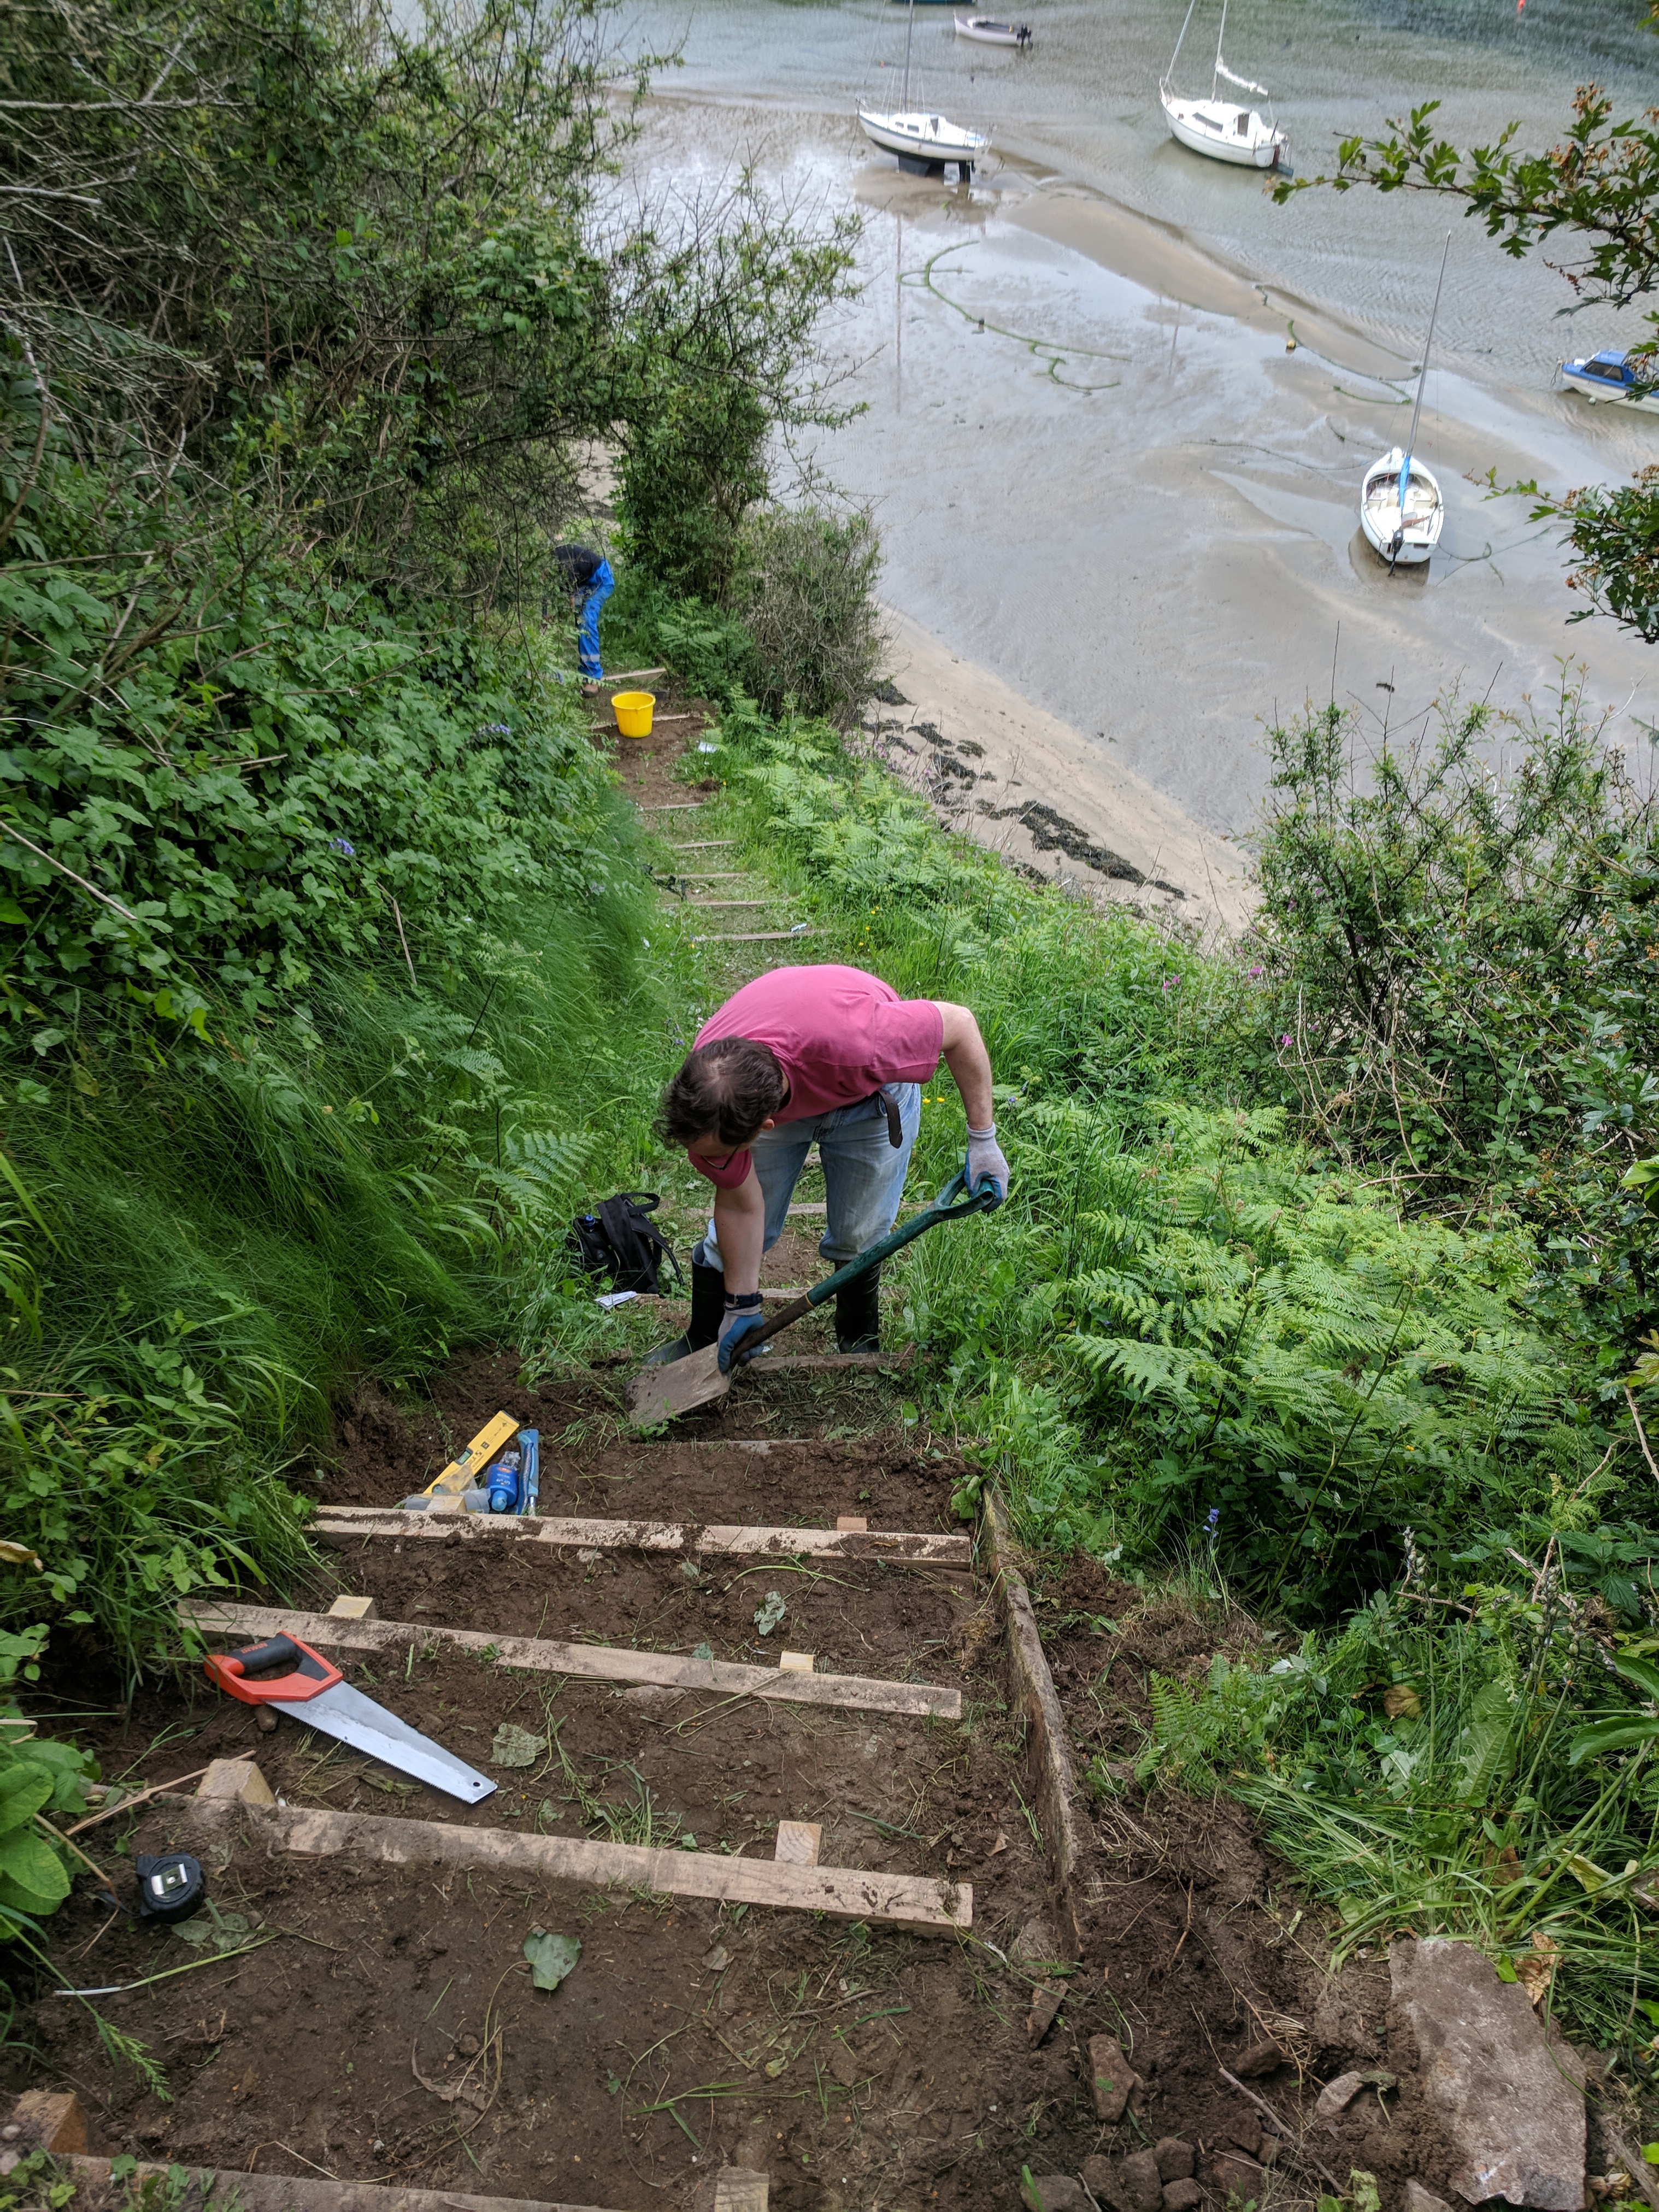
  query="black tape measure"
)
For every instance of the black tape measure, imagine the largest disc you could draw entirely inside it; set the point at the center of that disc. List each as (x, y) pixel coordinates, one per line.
(170, 1888)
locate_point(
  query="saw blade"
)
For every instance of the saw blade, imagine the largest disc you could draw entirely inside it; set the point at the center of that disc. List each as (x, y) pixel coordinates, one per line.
(354, 1719)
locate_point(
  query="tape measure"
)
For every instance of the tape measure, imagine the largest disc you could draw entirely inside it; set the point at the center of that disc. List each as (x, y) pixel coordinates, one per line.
(170, 1888)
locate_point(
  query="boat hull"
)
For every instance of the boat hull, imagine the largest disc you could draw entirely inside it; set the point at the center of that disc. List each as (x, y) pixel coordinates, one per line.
(922, 138)
(989, 34)
(1601, 392)
(1210, 127)
(1379, 511)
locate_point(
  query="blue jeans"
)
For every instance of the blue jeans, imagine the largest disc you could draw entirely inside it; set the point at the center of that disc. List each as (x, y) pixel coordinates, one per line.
(863, 1174)
(600, 587)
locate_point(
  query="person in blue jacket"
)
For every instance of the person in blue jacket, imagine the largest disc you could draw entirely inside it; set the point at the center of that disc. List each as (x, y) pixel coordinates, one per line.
(591, 584)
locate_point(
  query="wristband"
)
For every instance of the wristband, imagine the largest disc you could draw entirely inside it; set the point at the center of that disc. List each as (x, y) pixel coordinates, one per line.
(742, 1301)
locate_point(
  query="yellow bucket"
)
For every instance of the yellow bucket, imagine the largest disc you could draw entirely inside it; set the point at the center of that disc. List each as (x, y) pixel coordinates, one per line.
(633, 713)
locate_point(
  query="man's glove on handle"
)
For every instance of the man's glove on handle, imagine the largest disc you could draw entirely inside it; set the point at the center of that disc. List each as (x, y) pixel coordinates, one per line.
(743, 1317)
(985, 1159)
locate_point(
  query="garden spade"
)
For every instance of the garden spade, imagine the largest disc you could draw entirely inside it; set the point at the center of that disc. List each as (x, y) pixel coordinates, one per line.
(661, 1393)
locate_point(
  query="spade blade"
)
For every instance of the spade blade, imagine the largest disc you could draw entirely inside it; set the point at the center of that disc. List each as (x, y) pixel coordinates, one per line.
(660, 1394)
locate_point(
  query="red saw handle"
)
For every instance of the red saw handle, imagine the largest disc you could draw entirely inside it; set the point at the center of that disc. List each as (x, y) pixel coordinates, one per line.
(307, 1675)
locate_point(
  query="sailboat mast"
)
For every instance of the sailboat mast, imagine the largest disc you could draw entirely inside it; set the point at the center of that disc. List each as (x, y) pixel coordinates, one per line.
(1423, 376)
(1215, 79)
(909, 33)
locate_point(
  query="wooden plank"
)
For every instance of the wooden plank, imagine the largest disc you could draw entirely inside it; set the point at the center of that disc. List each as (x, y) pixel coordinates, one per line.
(1065, 1822)
(590, 1663)
(902, 1547)
(676, 806)
(287, 2192)
(798, 1842)
(754, 937)
(705, 845)
(710, 906)
(924, 1906)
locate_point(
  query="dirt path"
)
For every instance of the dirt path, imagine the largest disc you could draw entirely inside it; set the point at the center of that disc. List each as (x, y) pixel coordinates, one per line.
(388, 2028)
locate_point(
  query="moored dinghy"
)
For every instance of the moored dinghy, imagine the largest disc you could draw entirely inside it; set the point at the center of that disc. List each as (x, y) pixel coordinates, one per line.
(926, 141)
(1219, 127)
(991, 33)
(1401, 509)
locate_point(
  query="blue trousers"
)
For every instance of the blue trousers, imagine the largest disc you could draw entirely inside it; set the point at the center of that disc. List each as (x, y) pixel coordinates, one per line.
(600, 589)
(863, 1174)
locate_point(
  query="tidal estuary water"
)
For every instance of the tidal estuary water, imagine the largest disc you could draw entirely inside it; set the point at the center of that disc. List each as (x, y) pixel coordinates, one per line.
(1105, 486)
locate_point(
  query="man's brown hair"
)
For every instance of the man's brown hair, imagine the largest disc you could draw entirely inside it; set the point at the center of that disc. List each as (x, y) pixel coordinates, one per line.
(730, 1087)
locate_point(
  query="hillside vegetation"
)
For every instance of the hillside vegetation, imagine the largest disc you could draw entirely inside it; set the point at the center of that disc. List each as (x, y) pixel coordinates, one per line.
(334, 978)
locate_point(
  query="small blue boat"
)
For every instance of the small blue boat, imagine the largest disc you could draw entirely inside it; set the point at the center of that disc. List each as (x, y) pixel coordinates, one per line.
(1604, 376)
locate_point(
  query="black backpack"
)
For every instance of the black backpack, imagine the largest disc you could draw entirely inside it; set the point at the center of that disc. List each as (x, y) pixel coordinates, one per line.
(622, 1241)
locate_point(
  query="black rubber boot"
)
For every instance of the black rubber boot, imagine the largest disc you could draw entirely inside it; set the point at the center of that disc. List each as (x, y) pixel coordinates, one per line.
(707, 1311)
(858, 1313)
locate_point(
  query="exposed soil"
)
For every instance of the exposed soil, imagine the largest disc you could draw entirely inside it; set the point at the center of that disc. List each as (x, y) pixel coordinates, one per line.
(1212, 1952)
(591, 1463)
(390, 2031)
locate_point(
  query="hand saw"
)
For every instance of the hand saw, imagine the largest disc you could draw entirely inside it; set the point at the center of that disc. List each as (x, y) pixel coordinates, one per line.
(312, 1691)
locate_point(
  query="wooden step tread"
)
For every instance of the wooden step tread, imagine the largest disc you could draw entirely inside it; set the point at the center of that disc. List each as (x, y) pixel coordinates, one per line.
(286, 2192)
(595, 1662)
(908, 1548)
(925, 1904)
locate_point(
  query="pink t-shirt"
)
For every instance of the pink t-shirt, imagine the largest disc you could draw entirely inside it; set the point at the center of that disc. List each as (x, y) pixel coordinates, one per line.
(839, 1036)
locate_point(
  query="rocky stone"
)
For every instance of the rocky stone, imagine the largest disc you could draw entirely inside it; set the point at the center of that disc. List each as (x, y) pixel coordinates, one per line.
(1261, 2058)
(1113, 2080)
(1335, 2097)
(1143, 2185)
(1035, 1943)
(1418, 2199)
(1181, 2196)
(1053, 2192)
(1514, 2121)
(1105, 2184)
(1045, 2003)
(1234, 2175)
(1339, 2027)
(1245, 2132)
(1175, 2159)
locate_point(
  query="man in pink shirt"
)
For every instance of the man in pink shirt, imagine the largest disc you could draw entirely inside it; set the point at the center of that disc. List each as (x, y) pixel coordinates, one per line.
(803, 1054)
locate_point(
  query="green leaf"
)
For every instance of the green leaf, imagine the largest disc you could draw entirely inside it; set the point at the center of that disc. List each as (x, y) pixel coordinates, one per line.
(1611, 1735)
(516, 1745)
(24, 1789)
(1641, 1671)
(32, 1876)
(1505, 1969)
(551, 1958)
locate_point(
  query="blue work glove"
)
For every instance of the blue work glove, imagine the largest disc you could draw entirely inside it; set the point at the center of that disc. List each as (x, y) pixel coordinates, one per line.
(740, 1321)
(985, 1159)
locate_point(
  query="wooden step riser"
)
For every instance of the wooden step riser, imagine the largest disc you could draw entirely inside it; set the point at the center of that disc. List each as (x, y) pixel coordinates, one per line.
(890, 1548)
(584, 1662)
(913, 1902)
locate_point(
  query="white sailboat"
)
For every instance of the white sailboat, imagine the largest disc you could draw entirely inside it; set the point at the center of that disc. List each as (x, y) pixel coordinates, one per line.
(927, 141)
(1219, 127)
(1401, 509)
(990, 32)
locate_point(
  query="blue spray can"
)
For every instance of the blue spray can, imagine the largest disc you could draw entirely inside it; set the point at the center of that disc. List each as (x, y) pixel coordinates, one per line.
(503, 1482)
